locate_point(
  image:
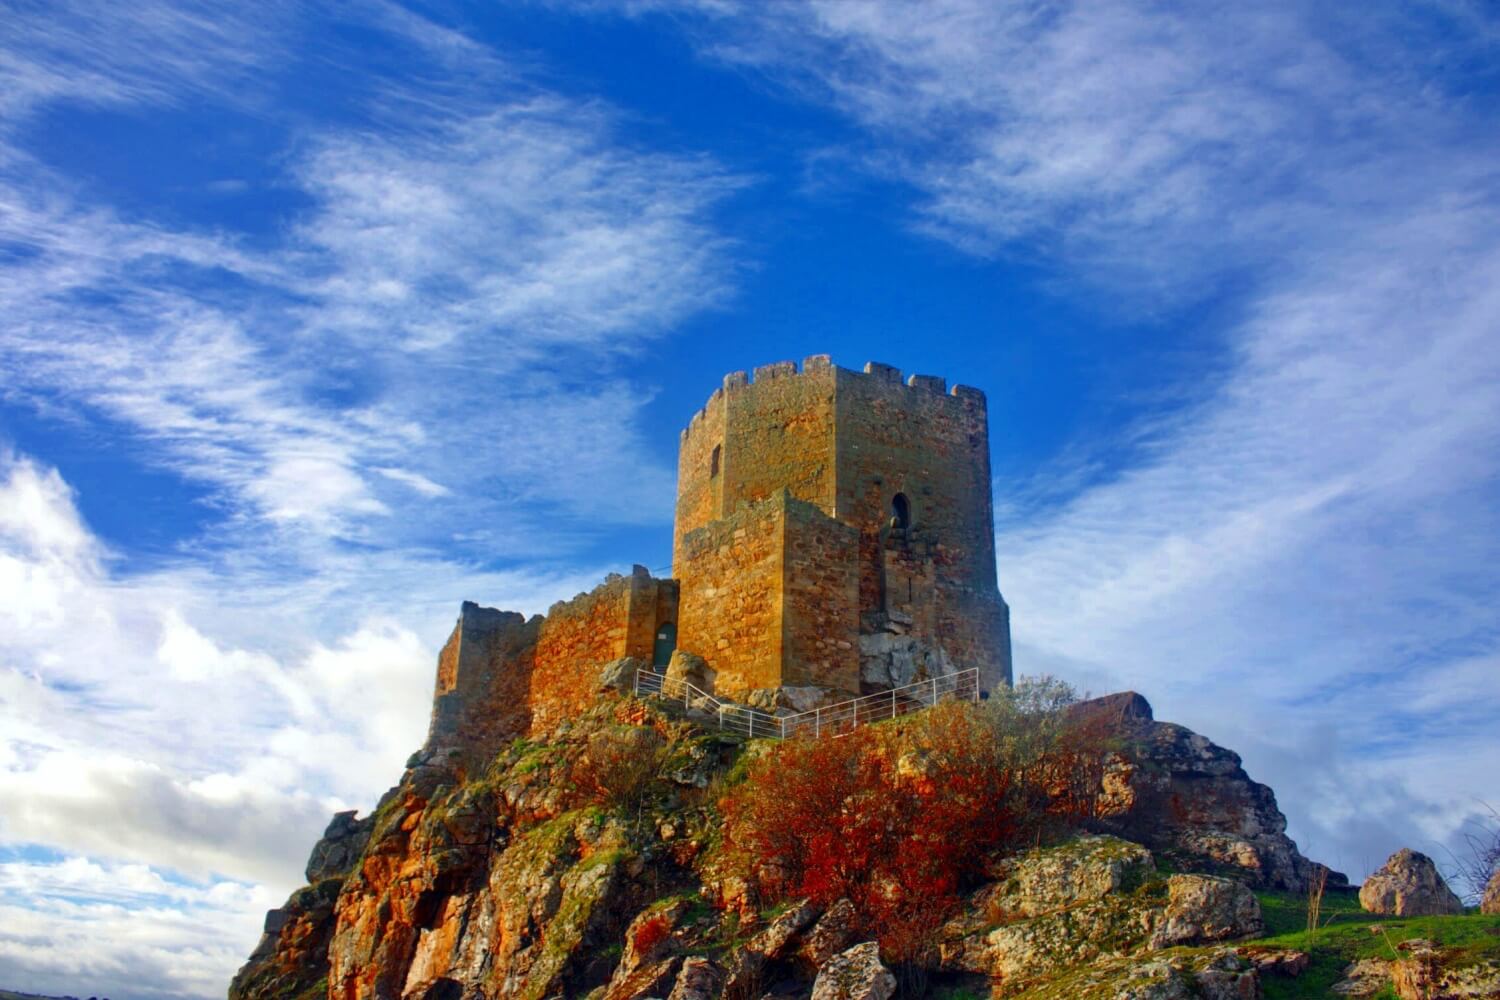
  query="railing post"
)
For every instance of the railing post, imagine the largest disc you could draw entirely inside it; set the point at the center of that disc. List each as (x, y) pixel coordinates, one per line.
(934, 691)
(818, 722)
(893, 703)
(752, 726)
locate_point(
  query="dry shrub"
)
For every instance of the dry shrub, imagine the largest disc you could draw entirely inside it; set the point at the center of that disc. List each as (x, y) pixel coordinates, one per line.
(901, 818)
(616, 766)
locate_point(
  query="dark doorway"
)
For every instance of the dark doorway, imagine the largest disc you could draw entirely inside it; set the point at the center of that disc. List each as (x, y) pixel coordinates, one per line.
(666, 641)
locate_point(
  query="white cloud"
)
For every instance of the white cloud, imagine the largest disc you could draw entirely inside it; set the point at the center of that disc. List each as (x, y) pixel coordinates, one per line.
(77, 927)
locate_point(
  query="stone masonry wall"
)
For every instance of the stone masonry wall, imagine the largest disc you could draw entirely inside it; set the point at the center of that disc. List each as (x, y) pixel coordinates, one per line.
(820, 627)
(848, 442)
(617, 618)
(731, 615)
(913, 438)
(773, 433)
(483, 695)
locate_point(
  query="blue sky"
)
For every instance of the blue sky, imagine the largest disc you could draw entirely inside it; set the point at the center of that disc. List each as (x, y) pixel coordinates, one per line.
(319, 321)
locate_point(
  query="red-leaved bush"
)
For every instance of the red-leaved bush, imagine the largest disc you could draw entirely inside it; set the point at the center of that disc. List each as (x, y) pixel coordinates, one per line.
(649, 933)
(900, 817)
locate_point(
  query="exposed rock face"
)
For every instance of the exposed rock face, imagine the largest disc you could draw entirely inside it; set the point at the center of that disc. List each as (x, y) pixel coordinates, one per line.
(476, 880)
(292, 956)
(342, 844)
(856, 974)
(619, 675)
(690, 668)
(1090, 898)
(892, 659)
(1490, 901)
(699, 979)
(1408, 885)
(1422, 971)
(1189, 799)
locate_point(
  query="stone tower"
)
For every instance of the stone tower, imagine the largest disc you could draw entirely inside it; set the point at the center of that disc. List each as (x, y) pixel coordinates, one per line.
(835, 528)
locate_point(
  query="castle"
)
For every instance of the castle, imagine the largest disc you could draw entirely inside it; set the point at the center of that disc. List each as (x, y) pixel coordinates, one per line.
(833, 533)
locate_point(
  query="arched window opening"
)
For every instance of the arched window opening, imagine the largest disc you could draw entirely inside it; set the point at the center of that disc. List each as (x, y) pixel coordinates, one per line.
(713, 461)
(900, 512)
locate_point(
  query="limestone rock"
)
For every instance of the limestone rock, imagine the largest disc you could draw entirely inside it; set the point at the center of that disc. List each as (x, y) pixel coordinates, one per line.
(1228, 977)
(619, 675)
(690, 668)
(699, 979)
(793, 700)
(888, 660)
(646, 963)
(1415, 974)
(855, 974)
(771, 942)
(1490, 901)
(1083, 870)
(342, 844)
(1364, 978)
(1408, 885)
(1187, 798)
(833, 932)
(1091, 898)
(1202, 908)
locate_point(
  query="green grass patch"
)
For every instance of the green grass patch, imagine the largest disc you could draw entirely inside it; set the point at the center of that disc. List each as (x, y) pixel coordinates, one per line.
(1346, 935)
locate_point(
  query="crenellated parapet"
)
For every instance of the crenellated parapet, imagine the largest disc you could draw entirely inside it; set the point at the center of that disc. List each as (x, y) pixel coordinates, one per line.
(821, 365)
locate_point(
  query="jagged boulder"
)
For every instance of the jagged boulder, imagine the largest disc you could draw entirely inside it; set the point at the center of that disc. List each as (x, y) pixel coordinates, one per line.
(1204, 908)
(1363, 978)
(1408, 885)
(343, 842)
(619, 675)
(1083, 870)
(1489, 902)
(699, 979)
(834, 931)
(855, 974)
(1188, 799)
(772, 942)
(690, 668)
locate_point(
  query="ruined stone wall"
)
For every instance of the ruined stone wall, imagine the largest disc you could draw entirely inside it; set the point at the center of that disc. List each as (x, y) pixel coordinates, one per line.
(617, 618)
(820, 622)
(484, 677)
(731, 613)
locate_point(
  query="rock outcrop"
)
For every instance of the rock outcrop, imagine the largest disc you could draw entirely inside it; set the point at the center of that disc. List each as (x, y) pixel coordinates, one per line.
(1489, 900)
(1408, 885)
(1190, 799)
(584, 861)
(1421, 970)
(856, 974)
(1091, 898)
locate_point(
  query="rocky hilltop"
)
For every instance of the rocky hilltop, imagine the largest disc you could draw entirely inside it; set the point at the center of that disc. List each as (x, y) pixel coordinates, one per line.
(624, 853)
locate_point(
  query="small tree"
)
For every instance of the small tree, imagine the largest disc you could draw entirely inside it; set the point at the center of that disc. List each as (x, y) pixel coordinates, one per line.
(1471, 865)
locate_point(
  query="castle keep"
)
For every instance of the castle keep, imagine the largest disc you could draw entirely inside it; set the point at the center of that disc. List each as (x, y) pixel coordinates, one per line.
(825, 517)
(834, 533)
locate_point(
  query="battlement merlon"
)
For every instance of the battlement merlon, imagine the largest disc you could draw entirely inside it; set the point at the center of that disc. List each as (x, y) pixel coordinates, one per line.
(822, 365)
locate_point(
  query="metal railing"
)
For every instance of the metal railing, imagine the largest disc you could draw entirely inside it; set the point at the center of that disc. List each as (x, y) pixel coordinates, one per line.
(833, 720)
